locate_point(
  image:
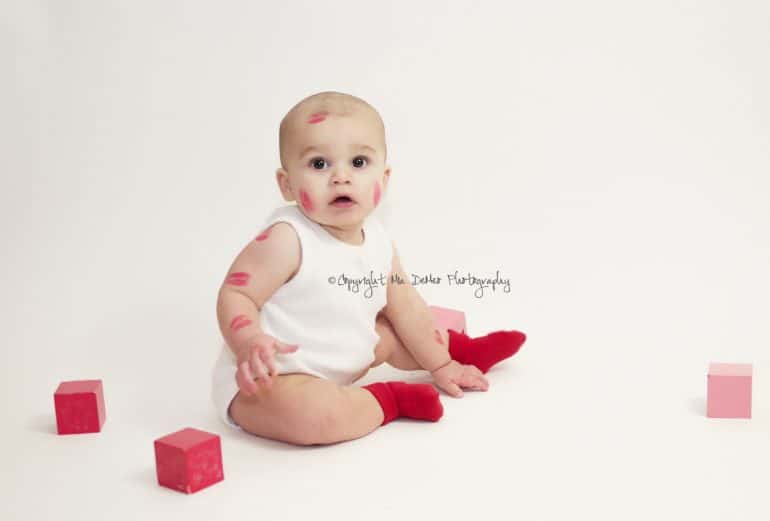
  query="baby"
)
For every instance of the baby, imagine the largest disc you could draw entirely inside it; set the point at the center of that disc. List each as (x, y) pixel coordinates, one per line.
(295, 337)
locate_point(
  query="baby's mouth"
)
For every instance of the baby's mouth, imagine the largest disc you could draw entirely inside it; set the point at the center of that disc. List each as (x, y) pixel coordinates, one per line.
(342, 201)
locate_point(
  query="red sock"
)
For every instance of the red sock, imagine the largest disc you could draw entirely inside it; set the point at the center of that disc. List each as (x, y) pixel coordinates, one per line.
(484, 351)
(418, 401)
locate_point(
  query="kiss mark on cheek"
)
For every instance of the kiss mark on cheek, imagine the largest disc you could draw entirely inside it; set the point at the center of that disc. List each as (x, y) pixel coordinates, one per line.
(317, 117)
(240, 322)
(264, 235)
(305, 200)
(239, 278)
(376, 194)
(438, 338)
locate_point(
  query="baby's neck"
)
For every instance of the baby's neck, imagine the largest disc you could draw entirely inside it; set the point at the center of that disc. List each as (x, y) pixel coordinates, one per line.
(353, 235)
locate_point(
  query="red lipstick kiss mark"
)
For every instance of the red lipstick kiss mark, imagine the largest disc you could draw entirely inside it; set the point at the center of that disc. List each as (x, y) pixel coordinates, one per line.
(239, 278)
(376, 194)
(305, 200)
(318, 117)
(264, 235)
(438, 338)
(240, 322)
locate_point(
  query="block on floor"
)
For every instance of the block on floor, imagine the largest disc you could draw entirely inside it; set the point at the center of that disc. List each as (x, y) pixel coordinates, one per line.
(729, 390)
(188, 460)
(79, 406)
(447, 318)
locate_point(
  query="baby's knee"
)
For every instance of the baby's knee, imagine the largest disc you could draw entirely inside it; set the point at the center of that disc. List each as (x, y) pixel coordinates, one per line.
(327, 417)
(333, 420)
(323, 417)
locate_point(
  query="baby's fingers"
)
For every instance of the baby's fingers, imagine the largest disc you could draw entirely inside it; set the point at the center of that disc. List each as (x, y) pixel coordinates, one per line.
(474, 378)
(245, 379)
(269, 363)
(474, 383)
(454, 390)
(282, 347)
(259, 370)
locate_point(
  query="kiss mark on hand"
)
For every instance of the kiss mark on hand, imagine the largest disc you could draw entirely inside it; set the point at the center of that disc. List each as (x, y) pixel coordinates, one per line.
(239, 278)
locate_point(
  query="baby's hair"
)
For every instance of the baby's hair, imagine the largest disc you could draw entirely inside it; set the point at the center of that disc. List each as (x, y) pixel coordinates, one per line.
(327, 102)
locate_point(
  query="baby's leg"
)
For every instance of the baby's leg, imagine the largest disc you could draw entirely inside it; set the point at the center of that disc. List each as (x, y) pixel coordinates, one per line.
(306, 410)
(483, 352)
(390, 349)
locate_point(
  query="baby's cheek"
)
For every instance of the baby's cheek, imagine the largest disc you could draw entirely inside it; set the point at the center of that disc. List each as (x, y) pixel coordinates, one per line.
(376, 194)
(239, 322)
(305, 200)
(239, 278)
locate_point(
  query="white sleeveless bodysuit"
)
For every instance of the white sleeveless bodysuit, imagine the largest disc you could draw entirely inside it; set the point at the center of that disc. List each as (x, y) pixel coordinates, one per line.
(328, 308)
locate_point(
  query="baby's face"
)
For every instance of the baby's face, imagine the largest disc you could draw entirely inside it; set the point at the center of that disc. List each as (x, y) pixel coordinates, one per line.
(331, 155)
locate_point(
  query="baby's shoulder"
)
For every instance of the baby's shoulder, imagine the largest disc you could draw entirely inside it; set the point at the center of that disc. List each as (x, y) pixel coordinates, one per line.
(279, 237)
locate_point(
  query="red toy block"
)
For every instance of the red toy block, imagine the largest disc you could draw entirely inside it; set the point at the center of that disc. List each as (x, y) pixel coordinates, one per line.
(729, 390)
(79, 406)
(446, 318)
(188, 460)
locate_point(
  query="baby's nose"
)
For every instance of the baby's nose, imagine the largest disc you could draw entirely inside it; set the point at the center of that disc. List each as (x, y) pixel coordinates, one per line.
(341, 175)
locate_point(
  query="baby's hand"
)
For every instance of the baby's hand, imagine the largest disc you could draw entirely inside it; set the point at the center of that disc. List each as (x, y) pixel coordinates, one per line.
(255, 362)
(455, 375)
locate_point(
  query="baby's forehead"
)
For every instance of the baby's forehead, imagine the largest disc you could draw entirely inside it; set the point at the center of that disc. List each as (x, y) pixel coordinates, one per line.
(325, 118)
(360, 127)
(310, 116)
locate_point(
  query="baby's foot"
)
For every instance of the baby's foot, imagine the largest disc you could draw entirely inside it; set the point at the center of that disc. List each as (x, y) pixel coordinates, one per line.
(485, 351)
(397, 399)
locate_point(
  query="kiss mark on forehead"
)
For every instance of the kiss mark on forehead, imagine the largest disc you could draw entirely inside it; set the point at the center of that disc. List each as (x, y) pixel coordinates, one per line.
(240, 278)
(376, 194)
(318, 117)
(305, 200)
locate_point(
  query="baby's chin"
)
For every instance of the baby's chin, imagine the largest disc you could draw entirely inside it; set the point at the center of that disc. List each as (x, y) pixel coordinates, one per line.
(347, 220)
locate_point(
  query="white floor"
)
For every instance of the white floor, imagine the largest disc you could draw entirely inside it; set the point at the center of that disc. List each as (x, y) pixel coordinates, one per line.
(609, 159)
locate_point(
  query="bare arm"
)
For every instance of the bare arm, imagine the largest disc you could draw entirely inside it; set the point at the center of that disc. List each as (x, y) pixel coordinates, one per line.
(412, 319)
(413, 322)
(263, 266)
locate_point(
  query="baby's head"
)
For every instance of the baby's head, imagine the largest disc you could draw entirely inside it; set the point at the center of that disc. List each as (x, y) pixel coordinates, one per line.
(333, 144)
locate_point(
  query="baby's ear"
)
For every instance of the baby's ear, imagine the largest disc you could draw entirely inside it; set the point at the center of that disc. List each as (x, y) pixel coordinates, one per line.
(282, 178)
(386, 177)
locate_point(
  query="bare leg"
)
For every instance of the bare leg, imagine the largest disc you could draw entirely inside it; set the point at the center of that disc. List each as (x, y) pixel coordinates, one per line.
(305, 410)
(392, 350)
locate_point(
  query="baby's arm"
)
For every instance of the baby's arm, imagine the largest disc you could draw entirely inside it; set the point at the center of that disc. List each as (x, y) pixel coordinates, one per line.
(412, 319)
(413, 322)
(263, 266)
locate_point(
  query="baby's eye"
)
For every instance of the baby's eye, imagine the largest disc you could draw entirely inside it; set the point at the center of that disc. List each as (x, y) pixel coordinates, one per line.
(357, 161)
(318, 163)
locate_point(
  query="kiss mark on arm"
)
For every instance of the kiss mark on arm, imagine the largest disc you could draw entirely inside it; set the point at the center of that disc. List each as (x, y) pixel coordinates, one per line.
(239, 278)
(239, 322)
(264, 235)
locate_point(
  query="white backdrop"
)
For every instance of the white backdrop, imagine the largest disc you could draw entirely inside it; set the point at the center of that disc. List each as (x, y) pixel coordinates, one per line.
(610, 159)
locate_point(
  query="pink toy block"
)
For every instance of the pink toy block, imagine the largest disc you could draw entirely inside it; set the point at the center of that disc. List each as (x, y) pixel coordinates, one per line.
(188, 460)
(79, 406)
(729, 391)
(446, 318)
